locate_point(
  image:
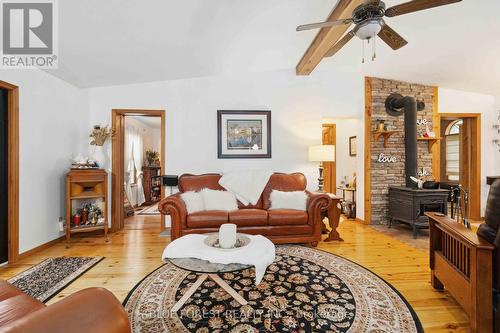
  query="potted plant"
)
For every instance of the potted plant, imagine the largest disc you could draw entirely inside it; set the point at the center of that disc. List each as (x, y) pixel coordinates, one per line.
(152, 157)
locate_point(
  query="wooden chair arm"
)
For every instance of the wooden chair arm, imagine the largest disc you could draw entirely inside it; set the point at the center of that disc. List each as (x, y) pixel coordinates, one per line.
(459, 231)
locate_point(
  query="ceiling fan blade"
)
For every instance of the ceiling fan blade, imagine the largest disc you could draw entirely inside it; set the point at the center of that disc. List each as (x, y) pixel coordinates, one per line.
(335, 48)
(391, 37)
(415, 6)
(323, 24)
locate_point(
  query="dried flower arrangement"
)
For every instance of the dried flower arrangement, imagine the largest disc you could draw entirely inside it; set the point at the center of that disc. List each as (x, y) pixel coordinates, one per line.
(152, 157)
(99, 135)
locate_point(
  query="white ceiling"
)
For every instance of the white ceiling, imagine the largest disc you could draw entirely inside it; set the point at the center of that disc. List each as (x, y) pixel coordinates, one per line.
(124, 41)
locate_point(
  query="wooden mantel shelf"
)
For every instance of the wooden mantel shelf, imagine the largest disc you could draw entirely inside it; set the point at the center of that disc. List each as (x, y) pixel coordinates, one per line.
(385, 134)
(430, 141)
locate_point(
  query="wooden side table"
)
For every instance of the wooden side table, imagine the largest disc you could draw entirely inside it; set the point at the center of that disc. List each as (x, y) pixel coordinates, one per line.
(333, 214)
(351, 211)
(85, 186)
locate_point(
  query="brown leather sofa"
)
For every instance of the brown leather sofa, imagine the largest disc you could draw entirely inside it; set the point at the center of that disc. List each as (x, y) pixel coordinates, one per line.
(279, 225)
(92, 310)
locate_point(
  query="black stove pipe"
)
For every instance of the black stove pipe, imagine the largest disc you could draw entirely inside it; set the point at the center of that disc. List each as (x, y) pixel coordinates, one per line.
(396, 105)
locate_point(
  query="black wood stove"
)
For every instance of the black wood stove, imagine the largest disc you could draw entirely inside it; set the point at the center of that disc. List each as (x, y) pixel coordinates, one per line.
(407, 204)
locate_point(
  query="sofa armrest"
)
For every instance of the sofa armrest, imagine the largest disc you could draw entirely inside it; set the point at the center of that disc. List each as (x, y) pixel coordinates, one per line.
(316, 204)
(92, 310)
(175, 207)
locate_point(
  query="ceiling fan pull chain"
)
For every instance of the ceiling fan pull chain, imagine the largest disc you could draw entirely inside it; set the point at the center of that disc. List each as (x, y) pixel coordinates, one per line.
(363, 59)
(374, 48)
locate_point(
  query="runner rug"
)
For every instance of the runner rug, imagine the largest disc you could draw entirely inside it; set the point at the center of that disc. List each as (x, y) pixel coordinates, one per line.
(304, 290)
(44, 280)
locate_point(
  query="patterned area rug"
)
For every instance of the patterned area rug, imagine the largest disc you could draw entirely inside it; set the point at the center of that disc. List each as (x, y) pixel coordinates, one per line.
(151, 210)
(44, 280)
(304, 290)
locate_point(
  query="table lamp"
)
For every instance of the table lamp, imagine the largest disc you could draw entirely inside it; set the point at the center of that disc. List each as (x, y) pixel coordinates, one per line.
(321, 153)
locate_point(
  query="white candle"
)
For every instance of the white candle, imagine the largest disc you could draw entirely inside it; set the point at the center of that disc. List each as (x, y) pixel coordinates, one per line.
(227, 235)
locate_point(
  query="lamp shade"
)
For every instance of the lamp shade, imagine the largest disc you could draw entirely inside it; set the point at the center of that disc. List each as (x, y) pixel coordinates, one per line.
(322, 153)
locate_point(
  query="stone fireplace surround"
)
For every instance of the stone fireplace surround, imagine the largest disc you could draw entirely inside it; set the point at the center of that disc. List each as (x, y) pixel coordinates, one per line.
(383, 173)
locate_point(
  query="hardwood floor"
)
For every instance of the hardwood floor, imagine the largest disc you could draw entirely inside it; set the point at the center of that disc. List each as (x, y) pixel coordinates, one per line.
(135, 251)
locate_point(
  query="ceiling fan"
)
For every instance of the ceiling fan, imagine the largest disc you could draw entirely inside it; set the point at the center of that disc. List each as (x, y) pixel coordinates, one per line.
(368, 19)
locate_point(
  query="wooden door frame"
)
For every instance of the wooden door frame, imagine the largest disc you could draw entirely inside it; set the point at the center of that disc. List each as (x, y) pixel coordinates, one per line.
(475, 167)
(13, 170)
(118, 158)
(334, 168)
(367, 154)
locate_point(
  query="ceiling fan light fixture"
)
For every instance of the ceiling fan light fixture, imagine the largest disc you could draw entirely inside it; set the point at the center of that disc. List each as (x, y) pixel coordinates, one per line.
(368, 29)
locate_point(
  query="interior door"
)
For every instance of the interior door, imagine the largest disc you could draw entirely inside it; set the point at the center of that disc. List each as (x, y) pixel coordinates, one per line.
(329, 168)
(4, 234)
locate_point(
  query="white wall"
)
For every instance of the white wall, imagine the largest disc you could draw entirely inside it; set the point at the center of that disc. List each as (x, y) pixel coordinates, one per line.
(298, 105)
(53, 126)
(455, 101)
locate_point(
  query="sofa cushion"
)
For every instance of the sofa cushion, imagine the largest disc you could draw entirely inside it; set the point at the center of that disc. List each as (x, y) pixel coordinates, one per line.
(219, 200)
(16, 307)
(287, 217)
(283, 182)
(207, 219)
(288, 200)
(248, 217)
(193, 201)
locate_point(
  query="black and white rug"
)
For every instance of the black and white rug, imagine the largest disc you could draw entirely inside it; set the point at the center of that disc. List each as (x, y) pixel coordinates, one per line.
(304, 290)
(44, 280)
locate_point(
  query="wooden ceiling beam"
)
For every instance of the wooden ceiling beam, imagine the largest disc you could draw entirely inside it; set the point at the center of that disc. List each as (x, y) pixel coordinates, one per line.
(326, 37)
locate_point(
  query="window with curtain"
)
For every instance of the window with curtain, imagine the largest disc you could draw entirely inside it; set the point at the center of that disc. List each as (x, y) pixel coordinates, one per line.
(453, 157)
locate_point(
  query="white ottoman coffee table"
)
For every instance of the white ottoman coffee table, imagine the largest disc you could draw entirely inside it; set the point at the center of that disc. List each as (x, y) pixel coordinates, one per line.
(190, 253)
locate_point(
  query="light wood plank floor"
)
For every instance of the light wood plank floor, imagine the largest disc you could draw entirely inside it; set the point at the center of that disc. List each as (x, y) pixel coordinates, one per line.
(135, 251)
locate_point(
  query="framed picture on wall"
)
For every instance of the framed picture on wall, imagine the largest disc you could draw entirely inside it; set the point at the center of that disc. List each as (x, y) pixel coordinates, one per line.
(243, 134)
(352, 146)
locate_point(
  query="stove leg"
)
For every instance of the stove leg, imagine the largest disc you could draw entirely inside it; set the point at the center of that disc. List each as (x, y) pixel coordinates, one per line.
(415, 232)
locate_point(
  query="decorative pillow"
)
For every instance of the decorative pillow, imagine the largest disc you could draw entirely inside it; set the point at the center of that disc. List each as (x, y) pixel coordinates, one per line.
(194, 201)
(219, 200)
(288, 200)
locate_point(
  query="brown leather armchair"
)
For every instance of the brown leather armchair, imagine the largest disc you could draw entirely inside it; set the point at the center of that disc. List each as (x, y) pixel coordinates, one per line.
(489, 230)
(92, 310)
(279, 225)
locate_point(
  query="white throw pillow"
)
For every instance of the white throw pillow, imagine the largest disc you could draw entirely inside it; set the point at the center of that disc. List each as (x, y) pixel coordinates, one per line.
(194, 201)
(288, 200)
(219, 200)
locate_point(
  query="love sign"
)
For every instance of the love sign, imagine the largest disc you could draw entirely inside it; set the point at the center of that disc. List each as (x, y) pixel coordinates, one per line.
(386, 158)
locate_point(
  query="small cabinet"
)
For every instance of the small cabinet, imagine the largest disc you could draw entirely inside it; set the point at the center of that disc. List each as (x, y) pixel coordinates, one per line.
(86, 202)
(151, 180)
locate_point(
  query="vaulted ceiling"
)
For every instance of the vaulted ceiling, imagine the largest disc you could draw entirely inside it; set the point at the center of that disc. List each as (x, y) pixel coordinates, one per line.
(123, 41)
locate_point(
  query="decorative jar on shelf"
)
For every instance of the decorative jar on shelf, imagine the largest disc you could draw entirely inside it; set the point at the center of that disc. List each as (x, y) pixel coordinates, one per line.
(76, 220)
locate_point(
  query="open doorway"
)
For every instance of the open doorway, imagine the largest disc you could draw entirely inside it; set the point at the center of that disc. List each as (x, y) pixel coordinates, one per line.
(138, 164)
(142, 171)
(9, 173)
(340, 176)
(460, 161)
